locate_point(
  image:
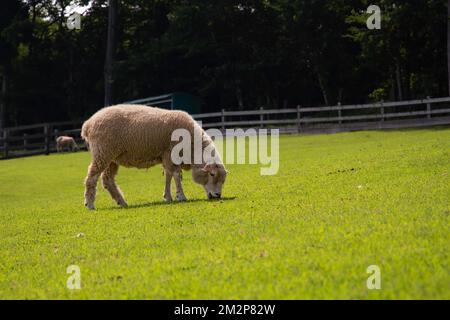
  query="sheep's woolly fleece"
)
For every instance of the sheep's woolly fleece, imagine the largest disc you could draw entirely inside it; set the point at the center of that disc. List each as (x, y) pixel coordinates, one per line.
(65, 142)
(135, 135)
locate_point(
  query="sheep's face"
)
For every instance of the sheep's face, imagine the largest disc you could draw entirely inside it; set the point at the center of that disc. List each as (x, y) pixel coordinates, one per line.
(211, 177)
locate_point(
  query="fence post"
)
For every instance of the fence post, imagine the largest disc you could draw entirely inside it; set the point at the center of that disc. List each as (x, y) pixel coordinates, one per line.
(428, 107)
(6, 143)
(47, 138)
(223, 120)
(261, 117)
(299, 125)
(339, 113)
(382, 110)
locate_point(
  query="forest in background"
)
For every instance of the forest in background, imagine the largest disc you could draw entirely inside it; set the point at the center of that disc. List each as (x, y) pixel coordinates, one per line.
(232, 54)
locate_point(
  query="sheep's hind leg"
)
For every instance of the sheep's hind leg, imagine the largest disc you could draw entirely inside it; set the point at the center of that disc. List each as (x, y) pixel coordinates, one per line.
(90, 183)
(109, 184)
(167, 195)
(177, 178)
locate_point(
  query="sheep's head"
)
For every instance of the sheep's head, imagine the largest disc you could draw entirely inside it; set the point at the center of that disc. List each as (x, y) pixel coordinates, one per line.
(211, 177)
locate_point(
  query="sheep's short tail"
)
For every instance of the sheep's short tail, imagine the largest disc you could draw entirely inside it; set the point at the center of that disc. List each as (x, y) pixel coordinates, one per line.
(85, 131)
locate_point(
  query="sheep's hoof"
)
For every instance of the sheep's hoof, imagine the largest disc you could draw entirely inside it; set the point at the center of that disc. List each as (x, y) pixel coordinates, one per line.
(123, 204)
(181, 197)
(167, 199)
(90, 206)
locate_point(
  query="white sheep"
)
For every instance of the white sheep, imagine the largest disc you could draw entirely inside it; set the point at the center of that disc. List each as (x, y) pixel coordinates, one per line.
(140, 136)
(66, 143)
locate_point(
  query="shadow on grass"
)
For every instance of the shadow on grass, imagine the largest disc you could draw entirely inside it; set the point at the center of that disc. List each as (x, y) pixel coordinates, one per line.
(163, 203)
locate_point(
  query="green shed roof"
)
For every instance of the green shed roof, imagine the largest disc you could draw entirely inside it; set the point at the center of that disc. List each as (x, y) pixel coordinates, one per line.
(173, 101)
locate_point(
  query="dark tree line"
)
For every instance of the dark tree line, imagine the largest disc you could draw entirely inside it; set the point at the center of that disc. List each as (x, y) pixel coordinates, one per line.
(233, 54)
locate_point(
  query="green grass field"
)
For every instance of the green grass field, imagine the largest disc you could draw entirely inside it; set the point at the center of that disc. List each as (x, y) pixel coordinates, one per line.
(339, 204)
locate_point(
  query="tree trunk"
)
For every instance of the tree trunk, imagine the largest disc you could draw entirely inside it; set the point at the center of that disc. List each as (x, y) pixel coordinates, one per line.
(62, 19)
(33, 29)
(322, 88)
(239, 98)
(110, 52)
(448, 45)
(399, 82)
(2, 101)
(315, 67)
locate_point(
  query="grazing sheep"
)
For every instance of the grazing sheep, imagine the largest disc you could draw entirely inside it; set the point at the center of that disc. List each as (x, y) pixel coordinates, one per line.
(140, 136)
(66, 143)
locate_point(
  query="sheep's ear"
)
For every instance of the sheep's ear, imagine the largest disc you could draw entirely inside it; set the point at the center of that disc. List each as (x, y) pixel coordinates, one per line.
(209, 167)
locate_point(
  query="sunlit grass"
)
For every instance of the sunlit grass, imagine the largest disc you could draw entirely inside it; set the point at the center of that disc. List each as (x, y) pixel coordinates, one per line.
(339, 203)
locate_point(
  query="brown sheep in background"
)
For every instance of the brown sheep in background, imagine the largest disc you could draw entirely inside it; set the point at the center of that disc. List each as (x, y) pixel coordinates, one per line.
(66, 143)
(140, 136)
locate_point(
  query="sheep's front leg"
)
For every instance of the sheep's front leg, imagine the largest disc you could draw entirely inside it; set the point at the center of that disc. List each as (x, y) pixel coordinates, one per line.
(177, 178)
(167, 194)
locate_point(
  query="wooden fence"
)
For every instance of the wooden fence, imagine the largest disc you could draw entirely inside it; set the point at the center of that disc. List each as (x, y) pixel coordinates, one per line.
(36, 139)
(40, 138)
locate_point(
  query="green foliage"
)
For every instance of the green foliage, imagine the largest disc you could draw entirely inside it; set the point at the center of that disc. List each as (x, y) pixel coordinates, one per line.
(339, 204)
(233, 55)
(378, 95)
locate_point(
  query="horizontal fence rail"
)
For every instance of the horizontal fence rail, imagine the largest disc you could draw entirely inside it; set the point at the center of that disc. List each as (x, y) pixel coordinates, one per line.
(37, 139)
(423, 112)
(41, 138)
